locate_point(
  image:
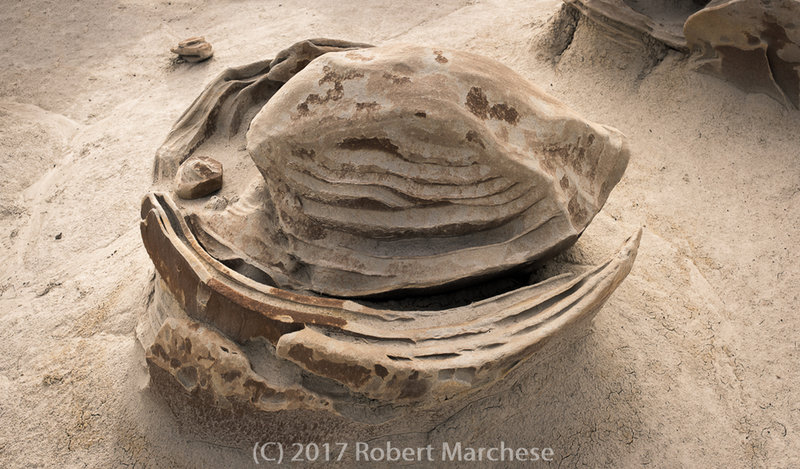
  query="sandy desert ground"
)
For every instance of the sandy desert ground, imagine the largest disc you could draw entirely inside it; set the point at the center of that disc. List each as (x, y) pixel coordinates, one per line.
(692, 363)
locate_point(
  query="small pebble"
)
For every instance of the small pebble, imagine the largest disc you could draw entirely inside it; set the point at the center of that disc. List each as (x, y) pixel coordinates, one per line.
(194, 49)
(216, 203)
(198, 177)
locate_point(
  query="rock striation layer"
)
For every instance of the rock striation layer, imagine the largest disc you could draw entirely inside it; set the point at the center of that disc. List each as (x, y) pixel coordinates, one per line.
(754, 44)
(371, 170)
(406, 167)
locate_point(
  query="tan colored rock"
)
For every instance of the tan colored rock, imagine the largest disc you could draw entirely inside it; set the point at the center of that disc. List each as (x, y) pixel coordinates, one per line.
(405, 167)
(630, 20)
(194, 49)
(202, 360)
(361, 355)
(239, 89)
(295, 58)
(377, 170)
(753, 44)
(198, 176)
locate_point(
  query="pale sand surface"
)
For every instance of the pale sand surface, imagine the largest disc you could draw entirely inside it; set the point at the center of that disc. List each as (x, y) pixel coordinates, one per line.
(692, 363)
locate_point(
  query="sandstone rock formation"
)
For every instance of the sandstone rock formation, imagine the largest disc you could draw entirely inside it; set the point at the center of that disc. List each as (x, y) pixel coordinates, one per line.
(442, 173)
(198, 176)
(294, 58)
(377, 170)
(751, 43)
(631, 20)
(194, 49)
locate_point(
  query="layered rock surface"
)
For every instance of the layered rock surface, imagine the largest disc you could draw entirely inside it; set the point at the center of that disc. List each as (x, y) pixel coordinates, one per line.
(376, 170)
(755, 45)
(405, 167)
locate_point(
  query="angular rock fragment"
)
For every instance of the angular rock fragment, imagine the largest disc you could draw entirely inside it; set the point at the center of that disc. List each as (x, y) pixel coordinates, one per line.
(194, 49)
(197, 177)
(201, 359)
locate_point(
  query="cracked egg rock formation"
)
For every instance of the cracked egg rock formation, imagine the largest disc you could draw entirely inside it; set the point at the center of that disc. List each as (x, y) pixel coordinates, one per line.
(372, 172)
(403, 167)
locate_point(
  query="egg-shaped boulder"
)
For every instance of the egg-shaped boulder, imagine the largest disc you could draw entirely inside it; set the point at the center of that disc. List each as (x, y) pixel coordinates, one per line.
(405, 167)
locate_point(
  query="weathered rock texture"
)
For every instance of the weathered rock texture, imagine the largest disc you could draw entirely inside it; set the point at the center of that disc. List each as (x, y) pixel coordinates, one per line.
(194, 49)
(450, 166)
(250, 85)
(198, 176)
(753, 44)
(630, 19)
(378, 170)
(202, 359)
(353, 350)
(295, 58)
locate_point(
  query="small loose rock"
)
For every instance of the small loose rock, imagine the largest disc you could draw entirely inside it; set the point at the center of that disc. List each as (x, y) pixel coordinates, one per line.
(198, 176)
(194, 49)
(216, 203)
